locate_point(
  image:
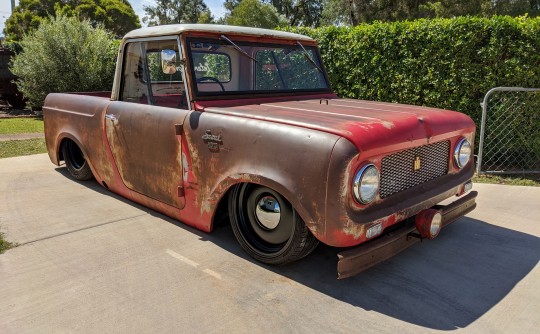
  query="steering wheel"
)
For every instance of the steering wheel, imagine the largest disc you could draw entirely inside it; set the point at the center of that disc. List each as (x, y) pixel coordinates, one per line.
(201, 79)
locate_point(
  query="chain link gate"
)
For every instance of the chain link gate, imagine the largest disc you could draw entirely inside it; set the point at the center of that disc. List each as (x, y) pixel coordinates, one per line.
(510, 131)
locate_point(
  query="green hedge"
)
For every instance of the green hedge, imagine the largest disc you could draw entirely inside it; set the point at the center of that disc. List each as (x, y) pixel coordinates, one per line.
(444, 63)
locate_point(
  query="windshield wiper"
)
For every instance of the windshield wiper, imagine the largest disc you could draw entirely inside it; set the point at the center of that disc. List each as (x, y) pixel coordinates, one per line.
(237, 47)
(308, 57)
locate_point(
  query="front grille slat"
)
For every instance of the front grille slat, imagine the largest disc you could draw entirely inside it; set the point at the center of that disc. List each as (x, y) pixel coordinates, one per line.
(398, 174)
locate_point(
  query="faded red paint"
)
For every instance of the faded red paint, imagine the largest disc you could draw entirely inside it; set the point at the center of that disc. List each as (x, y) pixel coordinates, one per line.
(369, 125)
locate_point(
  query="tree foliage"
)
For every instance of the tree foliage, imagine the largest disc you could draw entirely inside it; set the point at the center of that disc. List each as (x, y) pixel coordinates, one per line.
(230, 4)
(116, 16)
(65, 55)
(299, 12)
(253, 13)
(177, 11)
(354, 12)
(290, 12)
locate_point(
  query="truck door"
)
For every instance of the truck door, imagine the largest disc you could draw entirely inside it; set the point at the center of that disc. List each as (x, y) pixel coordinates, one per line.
(144, 129)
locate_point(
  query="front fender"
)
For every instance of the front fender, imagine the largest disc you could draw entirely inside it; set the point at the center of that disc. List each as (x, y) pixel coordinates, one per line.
(226, 150)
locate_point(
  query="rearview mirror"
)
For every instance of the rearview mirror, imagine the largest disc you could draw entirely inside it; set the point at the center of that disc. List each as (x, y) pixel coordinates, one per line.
(168, 61)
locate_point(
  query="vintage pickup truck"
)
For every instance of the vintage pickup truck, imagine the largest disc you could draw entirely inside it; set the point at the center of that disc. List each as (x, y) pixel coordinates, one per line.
(207, 119)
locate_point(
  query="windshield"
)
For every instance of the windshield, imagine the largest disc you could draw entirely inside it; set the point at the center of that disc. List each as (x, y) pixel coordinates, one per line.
(224, 66)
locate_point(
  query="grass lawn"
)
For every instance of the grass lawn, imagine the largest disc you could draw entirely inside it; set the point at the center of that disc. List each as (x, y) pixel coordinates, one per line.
(4, 245)
(20, 125)
(15, 148)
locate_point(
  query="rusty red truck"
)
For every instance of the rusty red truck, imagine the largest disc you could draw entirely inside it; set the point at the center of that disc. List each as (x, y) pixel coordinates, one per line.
(204, 119)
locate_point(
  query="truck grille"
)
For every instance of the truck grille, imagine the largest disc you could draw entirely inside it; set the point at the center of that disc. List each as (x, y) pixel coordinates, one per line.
(397, 170)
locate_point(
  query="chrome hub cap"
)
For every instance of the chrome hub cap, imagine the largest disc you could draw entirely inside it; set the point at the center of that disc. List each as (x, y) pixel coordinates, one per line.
(268, 212)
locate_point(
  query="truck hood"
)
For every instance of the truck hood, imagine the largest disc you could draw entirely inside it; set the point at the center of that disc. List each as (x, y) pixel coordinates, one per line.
(368, 125)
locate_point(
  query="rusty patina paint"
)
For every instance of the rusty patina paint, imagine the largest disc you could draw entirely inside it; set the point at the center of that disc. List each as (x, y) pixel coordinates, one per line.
(79, 118)
(147, 150)
(251, 151)
(306, 147)
(282, 136)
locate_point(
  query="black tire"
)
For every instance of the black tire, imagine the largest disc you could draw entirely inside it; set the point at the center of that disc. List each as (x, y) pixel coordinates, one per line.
(76, 162)
(252, 210)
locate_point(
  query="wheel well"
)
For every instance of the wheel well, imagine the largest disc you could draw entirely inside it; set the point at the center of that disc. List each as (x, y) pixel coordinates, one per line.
(61, 146)
(60, 153)
(221, 215)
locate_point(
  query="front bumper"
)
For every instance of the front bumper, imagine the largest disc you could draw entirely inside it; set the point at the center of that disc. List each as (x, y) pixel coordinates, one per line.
(360, 258)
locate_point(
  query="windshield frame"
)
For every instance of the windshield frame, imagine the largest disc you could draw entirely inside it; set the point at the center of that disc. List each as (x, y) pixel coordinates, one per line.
(227, 95)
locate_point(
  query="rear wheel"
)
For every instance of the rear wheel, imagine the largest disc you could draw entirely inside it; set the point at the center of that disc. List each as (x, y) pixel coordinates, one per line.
(267, 226)
(75, 161)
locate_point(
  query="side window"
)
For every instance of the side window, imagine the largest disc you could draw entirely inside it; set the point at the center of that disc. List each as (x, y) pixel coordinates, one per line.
(133, 83)
(147, 81)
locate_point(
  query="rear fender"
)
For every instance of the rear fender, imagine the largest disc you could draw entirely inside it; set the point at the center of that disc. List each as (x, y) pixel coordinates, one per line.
(81, 119)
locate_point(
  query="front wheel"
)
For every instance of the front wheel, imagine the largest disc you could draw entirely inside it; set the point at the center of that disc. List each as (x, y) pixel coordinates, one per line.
(75, 161)
(267, 226)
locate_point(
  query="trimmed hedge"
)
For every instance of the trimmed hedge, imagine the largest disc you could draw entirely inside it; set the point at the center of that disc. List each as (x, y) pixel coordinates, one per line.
(444, 63)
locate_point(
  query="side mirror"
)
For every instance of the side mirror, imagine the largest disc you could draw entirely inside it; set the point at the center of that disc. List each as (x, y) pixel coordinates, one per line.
(168, 61)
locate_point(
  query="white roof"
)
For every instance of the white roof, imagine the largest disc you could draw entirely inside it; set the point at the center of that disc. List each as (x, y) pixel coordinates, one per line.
(175, 29)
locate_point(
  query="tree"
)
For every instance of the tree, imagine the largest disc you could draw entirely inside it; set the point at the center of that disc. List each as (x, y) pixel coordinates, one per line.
(65, 54)
(177, 11)
(230, 4)
(115, 15)
(354, 12)
(253, 13)
(357, 11)
(299, 12)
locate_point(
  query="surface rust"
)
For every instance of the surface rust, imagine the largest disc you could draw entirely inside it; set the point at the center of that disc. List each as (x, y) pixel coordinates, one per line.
(257, 143)
(307, 147)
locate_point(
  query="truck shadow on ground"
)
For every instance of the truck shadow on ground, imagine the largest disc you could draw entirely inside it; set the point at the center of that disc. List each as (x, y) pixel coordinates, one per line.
(443, 284)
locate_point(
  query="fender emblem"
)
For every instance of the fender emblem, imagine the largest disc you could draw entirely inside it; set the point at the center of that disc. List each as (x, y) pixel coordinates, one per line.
(417, 163)
(213, 141)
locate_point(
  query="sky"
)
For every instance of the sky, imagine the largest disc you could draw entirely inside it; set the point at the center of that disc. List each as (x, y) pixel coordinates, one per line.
(215, 6)
(5, 12)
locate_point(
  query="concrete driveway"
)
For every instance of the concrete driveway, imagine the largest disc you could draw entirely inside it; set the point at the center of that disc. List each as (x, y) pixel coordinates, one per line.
(92, 262)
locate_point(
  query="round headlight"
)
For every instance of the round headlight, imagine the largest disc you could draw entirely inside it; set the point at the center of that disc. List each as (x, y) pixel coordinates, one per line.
(462, 154)
(366, 184)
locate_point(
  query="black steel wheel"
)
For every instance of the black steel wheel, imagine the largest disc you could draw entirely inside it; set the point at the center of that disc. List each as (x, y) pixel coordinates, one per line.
(267, 226)
(76, 162)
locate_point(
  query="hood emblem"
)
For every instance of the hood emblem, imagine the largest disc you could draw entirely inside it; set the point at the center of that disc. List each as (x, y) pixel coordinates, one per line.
(417, 163)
